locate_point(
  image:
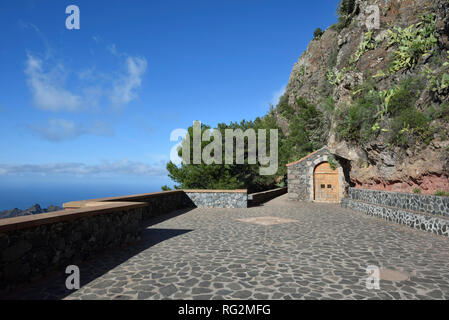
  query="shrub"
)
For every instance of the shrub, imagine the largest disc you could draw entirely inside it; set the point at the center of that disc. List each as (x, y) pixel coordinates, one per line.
(346, 7)
(343, 22)
(405, 95)
(317, 33)
(329, 104)
(308, 130)
(416, 191)
(309, 116)
(409, 127)
(284, 108)
(392, 110)
(356, 121)
(442, 112)
(346, 10)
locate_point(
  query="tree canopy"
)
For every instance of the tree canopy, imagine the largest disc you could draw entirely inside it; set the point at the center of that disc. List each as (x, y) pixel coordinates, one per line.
(307, 132)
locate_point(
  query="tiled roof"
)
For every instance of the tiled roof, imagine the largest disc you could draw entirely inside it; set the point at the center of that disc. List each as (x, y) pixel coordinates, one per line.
(300, 160)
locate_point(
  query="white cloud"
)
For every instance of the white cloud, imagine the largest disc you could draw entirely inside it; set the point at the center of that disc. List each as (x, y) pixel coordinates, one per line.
(60, 130)
(112, 49)
(46, 87)
(122, 167)
(46, 80)
(124, 88)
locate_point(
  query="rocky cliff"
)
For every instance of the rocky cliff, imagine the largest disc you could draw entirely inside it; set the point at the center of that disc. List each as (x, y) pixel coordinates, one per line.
(34, 209)
(383, 90)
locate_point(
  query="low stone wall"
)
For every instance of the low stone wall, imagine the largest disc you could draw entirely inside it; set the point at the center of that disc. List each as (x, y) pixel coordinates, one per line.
(420, 221)
(163, 202)
(409, 201)
(33, 246)
(422, 212)
(261, 197)
(218, 198)
(157, 203)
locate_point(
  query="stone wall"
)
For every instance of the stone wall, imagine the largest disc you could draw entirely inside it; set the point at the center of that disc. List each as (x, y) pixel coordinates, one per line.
(33, 246)
(163, 202)
(410, 201)
(261, 197)
(158, 203)
(427, 213)
(300, 176)
(218, 198)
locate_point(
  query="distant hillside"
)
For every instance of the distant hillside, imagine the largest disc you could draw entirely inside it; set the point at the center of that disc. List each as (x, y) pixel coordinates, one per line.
(35, 209)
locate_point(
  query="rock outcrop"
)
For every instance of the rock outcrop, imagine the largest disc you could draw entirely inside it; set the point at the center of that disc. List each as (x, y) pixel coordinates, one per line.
(34, 209)
(347, 57)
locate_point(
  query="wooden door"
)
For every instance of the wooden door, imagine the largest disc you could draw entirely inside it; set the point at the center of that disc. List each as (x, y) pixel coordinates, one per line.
(325, 183)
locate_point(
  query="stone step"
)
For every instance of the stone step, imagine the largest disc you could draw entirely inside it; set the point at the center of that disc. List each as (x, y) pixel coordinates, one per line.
(414, 219)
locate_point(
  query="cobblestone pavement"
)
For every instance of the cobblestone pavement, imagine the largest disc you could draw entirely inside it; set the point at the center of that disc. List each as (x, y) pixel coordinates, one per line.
(296, 251)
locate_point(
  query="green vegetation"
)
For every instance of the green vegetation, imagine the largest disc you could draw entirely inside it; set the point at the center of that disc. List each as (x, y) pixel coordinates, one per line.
(336, 77)
(346, 7)
(281, 184)
(332, 60)
(224, 176)
(412, 42)
(355, 122)
(346, 11)
(441, 85)
(317, 33)
(438, 81)
(332, 162)
(389, 111)
(441, 112)
(368, 43)
(299, 75)
(284, 108)
(410, 127)
(442, 193)
(405, 95)
(343, 22)
(308, 130)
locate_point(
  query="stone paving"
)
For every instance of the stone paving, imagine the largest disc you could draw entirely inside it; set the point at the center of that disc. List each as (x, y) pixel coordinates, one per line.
(282, 250)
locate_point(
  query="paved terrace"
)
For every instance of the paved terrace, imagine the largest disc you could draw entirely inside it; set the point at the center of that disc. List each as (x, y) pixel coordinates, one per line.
(282, 250)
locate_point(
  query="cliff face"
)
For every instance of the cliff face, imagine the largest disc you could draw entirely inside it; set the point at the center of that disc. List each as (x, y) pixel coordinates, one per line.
(34, 209)
(397, 76)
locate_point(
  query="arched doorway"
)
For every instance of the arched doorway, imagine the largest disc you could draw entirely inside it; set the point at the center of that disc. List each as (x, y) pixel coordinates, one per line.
(325, 181)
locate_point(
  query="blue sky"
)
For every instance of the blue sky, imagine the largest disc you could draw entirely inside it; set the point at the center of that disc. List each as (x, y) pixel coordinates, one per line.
(99, 103)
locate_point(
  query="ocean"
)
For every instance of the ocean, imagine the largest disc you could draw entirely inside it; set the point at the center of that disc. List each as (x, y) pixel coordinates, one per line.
(24, 195)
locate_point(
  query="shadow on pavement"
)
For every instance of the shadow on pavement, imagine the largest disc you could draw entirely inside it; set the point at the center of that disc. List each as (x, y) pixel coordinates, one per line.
(53, 287)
